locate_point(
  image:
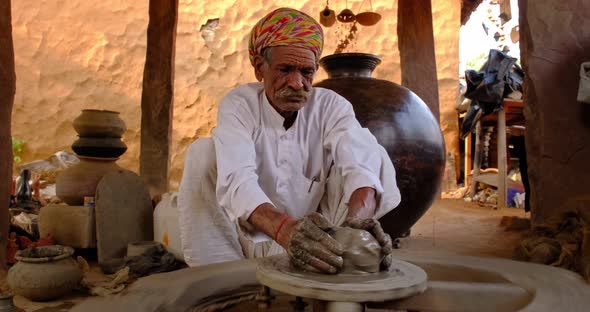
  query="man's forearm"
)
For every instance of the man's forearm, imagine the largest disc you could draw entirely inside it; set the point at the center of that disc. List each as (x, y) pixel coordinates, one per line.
(267, 219)
(362, 203)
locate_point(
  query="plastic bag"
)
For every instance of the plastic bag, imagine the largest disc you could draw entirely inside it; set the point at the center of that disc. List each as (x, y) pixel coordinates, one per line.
(487, 88)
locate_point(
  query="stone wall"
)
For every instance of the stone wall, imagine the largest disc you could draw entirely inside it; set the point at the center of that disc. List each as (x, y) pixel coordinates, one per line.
(72, 55)
(555, 40)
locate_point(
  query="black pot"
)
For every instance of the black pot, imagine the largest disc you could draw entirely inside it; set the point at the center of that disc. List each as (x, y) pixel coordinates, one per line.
(99, 147)
(402, 124)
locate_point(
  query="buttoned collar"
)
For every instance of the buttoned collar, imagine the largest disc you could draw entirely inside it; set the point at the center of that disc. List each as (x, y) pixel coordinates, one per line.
(276, 120)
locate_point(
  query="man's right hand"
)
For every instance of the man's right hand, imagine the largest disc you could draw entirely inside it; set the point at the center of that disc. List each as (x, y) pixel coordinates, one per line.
(309, 245)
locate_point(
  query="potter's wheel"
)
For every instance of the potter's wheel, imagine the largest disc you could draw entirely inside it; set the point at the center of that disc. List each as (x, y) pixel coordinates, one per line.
(402, 280)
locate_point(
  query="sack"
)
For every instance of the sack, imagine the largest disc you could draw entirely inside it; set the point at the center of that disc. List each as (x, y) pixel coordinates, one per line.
(584, 89)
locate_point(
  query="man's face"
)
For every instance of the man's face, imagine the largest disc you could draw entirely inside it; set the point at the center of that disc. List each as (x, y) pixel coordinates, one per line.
(287, 74)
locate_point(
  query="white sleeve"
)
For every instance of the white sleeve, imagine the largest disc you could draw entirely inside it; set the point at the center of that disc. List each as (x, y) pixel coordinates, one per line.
(238, 191)
(353, 147)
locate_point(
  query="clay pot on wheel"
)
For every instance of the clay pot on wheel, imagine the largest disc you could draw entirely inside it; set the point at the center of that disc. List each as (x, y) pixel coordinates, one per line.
(44, 273)
(81, 180)
(99, 147)
(402, 124)
(99, 123)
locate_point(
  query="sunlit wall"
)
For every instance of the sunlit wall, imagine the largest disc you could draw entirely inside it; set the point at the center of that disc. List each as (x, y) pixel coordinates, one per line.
(76, 54)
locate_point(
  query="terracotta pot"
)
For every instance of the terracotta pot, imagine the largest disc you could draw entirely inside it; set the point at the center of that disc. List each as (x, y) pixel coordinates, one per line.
(44, 273)
(327, 17)
(402, 123)
(368, 18)
(346, 16)
(99, 147)
(81, 180)
(99, 123)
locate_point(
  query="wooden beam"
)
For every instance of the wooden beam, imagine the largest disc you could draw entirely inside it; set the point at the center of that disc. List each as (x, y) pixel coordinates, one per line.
(157, 96)
(7, 91)
(416, 49)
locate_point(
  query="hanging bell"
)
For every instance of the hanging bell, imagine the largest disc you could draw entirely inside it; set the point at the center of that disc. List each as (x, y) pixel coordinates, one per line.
(346, 16)
(368, 18)
(327, 17)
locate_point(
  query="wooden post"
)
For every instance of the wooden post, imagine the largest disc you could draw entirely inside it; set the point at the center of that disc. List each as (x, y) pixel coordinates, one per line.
(7, 91)
(476, 160)
(468, 161)
(416, 49)
(157, 96)
(502, 163)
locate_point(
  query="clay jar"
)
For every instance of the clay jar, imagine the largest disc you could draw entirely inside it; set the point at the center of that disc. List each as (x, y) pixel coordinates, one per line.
(402, 124)
(105, 147)
(99, 123)
(44, 273)
(362, 252)
(81, 180)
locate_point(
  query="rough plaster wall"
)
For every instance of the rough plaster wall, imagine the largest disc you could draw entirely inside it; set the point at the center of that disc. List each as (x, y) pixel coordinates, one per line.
(555, 40)
(72, 55)
(446, 16)
(76, 54)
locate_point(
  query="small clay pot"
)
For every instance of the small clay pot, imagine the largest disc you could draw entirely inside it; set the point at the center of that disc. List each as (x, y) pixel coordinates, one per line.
(44, 273)
(368, 18)
(327, 17)
(99, 147)
(99, 123)
(346, 16)
(78, 181)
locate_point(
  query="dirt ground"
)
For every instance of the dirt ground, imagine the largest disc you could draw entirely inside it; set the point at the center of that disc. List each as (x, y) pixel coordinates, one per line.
(450, 225)
(465, 228)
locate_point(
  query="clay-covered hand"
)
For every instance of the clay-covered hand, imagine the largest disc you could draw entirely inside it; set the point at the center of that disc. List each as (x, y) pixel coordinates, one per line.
(374, 227)
(309, 245)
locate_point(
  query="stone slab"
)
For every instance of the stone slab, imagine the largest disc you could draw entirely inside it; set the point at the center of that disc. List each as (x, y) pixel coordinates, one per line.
(72, 226)
(124, 214)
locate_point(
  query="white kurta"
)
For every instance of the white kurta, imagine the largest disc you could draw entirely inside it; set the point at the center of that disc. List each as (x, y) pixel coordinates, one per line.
(258, 161)
(252, 159)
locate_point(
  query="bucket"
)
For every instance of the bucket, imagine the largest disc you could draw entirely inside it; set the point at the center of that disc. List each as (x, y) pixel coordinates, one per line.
(166, 225)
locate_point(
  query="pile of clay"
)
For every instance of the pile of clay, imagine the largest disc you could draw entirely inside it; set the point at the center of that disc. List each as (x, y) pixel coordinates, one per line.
(362, 252)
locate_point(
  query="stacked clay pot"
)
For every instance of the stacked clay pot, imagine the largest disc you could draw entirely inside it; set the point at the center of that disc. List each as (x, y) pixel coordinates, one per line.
(98, 146)
(99, 134)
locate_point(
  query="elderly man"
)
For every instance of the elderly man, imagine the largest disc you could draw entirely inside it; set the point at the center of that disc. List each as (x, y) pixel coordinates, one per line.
(286, 163)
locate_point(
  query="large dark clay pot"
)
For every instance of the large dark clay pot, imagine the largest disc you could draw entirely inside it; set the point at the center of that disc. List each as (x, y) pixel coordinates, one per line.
(402, 124)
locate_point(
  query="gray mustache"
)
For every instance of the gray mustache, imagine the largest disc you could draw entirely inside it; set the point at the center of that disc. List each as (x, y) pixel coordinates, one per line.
(290, 93)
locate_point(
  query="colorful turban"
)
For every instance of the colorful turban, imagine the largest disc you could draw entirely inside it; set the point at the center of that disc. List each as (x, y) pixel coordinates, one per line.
(286, 27)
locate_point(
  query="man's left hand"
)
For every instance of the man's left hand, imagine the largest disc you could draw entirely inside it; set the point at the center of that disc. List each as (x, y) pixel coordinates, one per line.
(374, 227)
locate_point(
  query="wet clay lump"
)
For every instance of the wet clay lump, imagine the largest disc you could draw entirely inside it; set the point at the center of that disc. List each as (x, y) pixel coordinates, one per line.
(362, 252)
